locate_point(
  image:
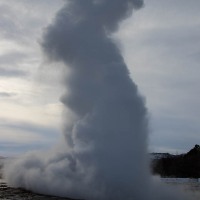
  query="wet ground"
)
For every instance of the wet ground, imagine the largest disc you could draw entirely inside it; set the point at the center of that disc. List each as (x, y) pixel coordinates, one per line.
(189, 186)
(8, 193)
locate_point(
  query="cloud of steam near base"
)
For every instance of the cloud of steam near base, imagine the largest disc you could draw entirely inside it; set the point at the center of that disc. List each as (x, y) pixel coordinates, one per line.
(103, 155)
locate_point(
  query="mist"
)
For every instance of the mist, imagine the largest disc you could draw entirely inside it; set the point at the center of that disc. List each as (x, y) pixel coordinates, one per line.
(103, 154)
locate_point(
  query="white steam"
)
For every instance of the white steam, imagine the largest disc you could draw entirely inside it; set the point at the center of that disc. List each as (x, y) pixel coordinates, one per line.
(104, 153)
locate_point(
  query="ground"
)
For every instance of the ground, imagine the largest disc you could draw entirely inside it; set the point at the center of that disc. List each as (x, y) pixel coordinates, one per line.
(7, 193)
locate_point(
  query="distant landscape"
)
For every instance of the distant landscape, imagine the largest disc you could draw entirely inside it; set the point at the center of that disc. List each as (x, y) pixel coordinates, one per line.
(177, 166)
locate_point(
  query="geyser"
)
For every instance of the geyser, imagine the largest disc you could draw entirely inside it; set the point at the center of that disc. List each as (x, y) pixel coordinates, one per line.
(104, 153)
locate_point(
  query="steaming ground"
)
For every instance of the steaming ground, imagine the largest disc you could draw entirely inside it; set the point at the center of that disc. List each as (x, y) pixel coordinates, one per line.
(103, 154)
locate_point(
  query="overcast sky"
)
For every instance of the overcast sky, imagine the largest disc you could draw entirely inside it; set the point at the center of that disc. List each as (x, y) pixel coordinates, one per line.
(161, 45)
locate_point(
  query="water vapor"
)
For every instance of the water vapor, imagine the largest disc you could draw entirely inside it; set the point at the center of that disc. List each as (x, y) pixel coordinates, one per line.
(104, 152)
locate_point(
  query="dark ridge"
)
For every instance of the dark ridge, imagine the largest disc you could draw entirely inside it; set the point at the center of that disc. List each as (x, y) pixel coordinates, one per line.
(179, 166)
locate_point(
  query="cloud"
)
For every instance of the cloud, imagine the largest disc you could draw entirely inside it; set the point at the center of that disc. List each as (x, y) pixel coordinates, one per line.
(12, 73)
(12, 57)
(27, 126)
(15, 25)
(161, 47)
(17, 148)
(21, 25)
(20, 136)
(6, 94)
(10, 64)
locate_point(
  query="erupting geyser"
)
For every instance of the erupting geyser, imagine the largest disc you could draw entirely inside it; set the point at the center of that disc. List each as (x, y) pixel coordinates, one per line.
(104, 155)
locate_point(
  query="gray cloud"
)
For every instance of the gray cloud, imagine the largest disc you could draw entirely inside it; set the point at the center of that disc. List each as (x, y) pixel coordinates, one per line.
(10, 65)
(162, 48)
(13, 58)
(21, 24)
(178, 133)
(11, 149)
(14, 23)
(48, 132)
(46, 137)
(30, 127)
(12, 73)
(8, 28)
(6, 94)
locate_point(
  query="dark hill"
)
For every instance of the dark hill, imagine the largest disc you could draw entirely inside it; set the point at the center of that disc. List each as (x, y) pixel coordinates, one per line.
(195, 151)
(182, 166)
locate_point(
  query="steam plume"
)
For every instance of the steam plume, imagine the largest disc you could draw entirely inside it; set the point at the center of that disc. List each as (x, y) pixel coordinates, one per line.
(104, 152)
